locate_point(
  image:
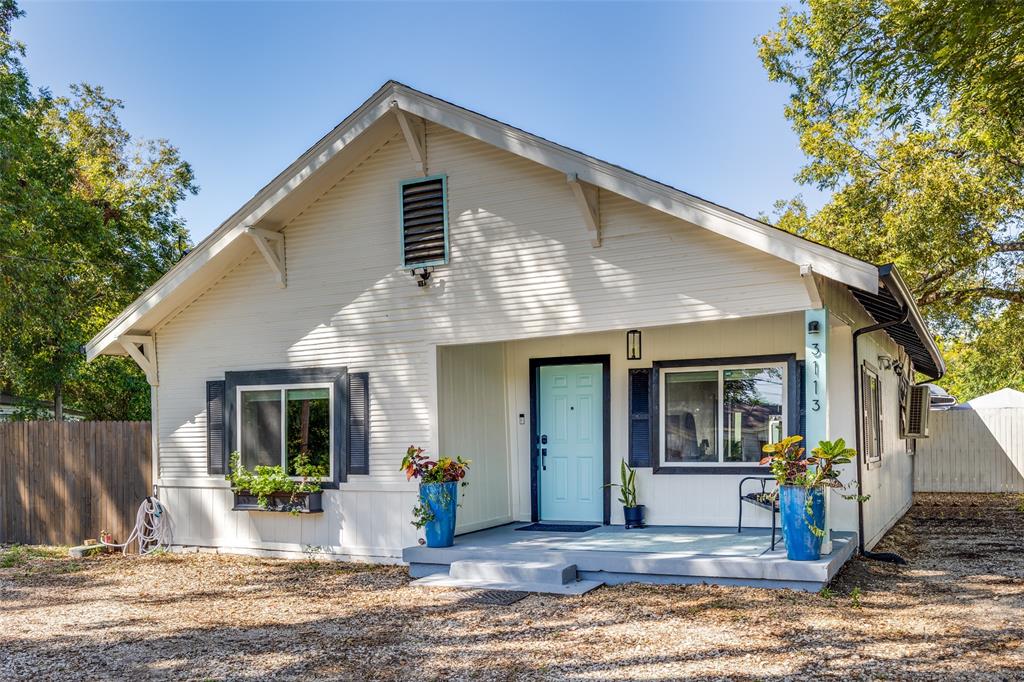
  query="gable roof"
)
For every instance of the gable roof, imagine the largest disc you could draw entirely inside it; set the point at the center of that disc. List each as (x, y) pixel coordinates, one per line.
(297, 183)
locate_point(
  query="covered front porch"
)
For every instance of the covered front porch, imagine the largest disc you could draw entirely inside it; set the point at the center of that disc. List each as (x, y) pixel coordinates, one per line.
(656, 554)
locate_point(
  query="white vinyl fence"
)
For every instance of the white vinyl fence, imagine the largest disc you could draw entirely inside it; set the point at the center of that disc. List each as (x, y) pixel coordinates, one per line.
(972, 451)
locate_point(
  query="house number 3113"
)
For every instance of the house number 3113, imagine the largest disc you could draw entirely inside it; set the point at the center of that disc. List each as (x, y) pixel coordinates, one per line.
(815, 353)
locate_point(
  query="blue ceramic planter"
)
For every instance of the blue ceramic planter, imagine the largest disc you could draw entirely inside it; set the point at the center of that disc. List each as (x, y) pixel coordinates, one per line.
(801, 543)
(443, 500)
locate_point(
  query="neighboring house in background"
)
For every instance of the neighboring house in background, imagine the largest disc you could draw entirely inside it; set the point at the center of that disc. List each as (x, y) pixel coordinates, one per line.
(1004, 397)
(427, 275)
(13, 407)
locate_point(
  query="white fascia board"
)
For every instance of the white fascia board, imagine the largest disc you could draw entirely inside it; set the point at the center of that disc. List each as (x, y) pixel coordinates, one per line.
(771, 240)
(674, 202)
(235, 226)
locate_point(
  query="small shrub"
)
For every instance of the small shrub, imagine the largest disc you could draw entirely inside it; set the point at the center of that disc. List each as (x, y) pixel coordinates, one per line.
(826, 593)
(855, 595)
(17, 555)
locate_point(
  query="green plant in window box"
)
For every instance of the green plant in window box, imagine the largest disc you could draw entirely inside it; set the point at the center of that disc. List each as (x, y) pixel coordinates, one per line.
(266, 482)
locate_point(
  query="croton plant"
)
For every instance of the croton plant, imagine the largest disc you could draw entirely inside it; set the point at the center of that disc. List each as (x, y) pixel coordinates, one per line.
(791, 465)
(444, 470)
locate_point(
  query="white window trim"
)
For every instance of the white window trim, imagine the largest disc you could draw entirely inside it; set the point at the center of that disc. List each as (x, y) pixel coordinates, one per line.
(720, 369)
(283, 389)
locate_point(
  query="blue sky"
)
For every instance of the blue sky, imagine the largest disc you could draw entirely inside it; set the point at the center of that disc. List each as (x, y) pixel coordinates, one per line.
(671, 90)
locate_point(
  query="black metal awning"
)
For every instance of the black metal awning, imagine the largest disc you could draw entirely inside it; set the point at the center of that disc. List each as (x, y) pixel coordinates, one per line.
(894, 302)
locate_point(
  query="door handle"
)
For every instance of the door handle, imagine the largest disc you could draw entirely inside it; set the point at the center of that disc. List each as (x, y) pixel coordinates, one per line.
(543, 459)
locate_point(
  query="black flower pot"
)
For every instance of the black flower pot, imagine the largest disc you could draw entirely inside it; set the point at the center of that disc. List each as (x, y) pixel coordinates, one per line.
(297, 503)
(634, 516)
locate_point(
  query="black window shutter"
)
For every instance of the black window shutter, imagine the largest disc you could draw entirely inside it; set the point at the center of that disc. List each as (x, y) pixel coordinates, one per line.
(216, 446)
(359, 423)
(424, 223)
(801, 371)
(640, 417)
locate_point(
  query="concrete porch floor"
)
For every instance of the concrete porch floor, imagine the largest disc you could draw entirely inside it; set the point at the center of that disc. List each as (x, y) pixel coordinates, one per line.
(657, 554)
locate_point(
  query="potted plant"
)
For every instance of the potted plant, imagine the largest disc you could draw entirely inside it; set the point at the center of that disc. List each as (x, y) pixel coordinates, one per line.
(802, 481)
(269, 488)
(631, 511)
(439, 490)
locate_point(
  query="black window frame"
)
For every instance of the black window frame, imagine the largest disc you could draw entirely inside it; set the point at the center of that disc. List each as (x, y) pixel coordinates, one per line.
(793, 397)
(338, 377)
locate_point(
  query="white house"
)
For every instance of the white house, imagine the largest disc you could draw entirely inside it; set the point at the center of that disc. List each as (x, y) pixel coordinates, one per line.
(427, 275)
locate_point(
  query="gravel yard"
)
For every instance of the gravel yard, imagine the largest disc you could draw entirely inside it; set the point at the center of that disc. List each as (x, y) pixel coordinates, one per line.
(957, 611)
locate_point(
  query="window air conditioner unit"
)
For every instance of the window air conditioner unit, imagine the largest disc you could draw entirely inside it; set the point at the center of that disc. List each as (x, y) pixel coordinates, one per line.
(919, 403)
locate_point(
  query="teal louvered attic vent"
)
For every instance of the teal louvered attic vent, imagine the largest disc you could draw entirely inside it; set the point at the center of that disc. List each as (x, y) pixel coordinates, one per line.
(424, 210)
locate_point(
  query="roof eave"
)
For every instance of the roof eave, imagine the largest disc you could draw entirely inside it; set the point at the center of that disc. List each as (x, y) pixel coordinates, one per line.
(890, 276)
(769, 239)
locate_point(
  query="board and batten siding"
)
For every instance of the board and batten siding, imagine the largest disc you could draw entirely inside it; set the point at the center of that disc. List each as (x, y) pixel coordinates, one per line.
(972, 451)
(522, 266)
(472, 424)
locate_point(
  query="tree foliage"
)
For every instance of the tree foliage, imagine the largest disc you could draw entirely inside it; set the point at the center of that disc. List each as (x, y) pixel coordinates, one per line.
(911, 114)
(87, 221)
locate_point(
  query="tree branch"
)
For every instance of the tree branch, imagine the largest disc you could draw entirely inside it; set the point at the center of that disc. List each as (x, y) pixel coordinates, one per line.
(1009, 295)
(1008, 247)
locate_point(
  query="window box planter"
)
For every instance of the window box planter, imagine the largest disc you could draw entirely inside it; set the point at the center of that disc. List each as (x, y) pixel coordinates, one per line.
(303, 503)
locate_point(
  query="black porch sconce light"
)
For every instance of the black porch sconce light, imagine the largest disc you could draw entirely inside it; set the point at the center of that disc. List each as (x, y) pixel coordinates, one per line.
(633, 350)
(813, 327)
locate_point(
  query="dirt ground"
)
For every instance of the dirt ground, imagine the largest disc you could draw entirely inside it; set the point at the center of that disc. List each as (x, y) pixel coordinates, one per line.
(956, 612)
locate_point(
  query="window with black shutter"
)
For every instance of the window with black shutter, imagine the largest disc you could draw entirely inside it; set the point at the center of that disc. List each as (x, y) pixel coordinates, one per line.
(424, 222)
(640, 417)
(359, 423)
(216, 449)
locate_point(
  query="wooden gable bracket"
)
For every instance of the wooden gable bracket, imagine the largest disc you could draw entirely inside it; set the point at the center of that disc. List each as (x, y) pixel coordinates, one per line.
(142, 349)
(271, 245)
(586, 199)
(807, 276)
(414, 131)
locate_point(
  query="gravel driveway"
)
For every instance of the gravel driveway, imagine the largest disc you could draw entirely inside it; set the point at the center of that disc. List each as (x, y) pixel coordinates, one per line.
(957, 611)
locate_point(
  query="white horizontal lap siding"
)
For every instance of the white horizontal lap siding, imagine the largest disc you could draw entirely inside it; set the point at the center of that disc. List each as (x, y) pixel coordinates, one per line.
(521, 267)
(522, 260)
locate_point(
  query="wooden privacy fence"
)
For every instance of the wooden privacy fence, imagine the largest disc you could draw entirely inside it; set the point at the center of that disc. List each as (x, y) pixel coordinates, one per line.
(62, 482)
(972, 451)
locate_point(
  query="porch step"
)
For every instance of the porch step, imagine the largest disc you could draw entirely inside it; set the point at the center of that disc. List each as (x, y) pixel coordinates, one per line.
(550, 577)
(548, 572)
(573, 588)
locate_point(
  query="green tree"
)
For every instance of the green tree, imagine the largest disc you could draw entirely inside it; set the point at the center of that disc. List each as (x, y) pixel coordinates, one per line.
(911, 114)
(87, 221)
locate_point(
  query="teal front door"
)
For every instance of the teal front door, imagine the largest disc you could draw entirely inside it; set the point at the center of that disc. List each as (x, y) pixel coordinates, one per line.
(571, 442)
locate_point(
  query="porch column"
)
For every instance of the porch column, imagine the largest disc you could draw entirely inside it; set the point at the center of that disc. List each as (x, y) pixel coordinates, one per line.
(816, 395)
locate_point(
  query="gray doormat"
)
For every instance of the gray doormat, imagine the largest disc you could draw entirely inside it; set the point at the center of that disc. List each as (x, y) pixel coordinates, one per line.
(560, 527)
